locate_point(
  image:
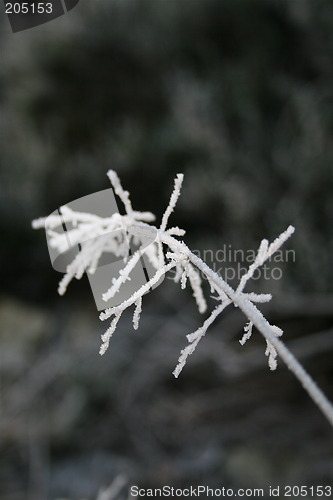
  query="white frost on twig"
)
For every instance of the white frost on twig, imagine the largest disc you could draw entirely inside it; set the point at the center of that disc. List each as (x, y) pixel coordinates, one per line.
(165, 253)
(137, 312)
(195, 281)
(195, 337)
(247, 332)
(124, 275)
(123, 195)
(265, 251)
(109, 332)
(173, 200)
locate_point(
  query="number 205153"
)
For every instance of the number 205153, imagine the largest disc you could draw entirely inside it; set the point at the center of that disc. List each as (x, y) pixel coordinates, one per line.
(308, 491)
(28, 8)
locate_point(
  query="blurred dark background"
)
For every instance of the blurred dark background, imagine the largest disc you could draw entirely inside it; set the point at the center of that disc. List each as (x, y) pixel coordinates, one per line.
(237, 95)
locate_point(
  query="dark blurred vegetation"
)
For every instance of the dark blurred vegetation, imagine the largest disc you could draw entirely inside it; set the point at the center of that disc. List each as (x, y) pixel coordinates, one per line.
(238, 96)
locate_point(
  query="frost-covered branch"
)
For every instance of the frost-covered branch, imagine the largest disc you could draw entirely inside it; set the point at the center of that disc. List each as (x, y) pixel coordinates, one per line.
(166, 252)
(173, 200)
